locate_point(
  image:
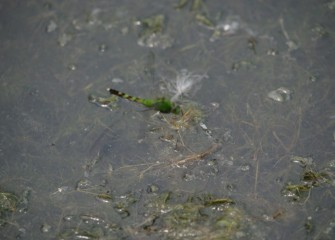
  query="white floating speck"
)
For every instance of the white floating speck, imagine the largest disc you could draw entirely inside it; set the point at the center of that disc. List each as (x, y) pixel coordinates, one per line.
(52, 26)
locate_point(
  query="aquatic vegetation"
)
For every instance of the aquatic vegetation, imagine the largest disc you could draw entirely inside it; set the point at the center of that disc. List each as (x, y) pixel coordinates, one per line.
(153, 24)
(296, 192)
(204, 20)
(199, 217)
(174, 162)
(230, 26)
(24, 200)
(308, 180)
(243, 64)
(88, 226)
(152, 34)
(8, 202)
(163, 215)
(181, 4)
(199, 16)
(218, 201)
(195, 6)
(196, 156)
(252, 42)
(191, 114)
(104, 197)
(315, 178)
(302, 161)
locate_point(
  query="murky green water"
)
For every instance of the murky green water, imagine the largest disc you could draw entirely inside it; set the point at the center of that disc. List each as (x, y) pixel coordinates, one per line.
(256, 159)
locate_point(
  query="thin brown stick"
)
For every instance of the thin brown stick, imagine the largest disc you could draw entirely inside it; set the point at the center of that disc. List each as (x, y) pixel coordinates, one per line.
(148, 169)
(188, 159)
(196, 156)
(280, 141)
(256, 158)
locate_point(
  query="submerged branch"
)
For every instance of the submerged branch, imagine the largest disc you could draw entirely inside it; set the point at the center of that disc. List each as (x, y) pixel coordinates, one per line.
(196, 156)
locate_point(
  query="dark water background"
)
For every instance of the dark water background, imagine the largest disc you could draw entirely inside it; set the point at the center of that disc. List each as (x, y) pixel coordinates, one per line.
(58, 151)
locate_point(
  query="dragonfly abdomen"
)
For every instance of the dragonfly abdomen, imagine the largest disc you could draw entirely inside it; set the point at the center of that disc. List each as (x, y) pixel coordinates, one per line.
(145, 102)
(124, 95)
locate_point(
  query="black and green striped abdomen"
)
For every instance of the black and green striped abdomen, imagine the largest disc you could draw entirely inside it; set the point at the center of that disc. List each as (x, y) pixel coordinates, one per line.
(124, 95)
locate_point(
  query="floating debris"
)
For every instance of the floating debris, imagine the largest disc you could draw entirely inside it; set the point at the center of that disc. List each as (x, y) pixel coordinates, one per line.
(152, 34)
(315, 178)
(252, 44)
(296, 192)
(243, 64)
(123, 204)
(302, 161)
(64, 39)
(320, 32)
(45, 228)
(308, 180)
(72, 67)
(156, 41)
(63, 189)
(272, 52)
(103, 48)
(88, 21)
(24, 200)
(117, 80)
(84, 184)
(191, 114)
(331, 5)
(204, 20)
(196, 156)
(104, 197)
(281, 94)
(8, 202)
(219, 201)
(244, 168)
(87, 226)
(195, 6)
(52, 26)
(181, 4)
(290, 43)
(152, 188)
(90, 164)
(184, 83)
(230, 26)
(199, 217)
(89, 219)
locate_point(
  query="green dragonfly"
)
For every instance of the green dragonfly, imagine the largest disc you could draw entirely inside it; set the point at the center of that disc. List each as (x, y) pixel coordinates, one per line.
(162, 105)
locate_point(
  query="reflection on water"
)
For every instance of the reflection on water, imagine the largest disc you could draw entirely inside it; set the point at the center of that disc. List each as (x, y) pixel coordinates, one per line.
(250, 155)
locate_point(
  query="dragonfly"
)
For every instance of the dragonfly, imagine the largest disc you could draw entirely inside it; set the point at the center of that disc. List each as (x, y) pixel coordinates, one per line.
(162, 104)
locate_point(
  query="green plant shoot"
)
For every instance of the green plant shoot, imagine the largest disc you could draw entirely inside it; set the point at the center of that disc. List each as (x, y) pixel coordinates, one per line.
(162, 105)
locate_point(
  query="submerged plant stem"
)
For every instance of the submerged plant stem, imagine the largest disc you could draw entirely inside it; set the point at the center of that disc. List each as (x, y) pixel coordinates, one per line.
(197, 156)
